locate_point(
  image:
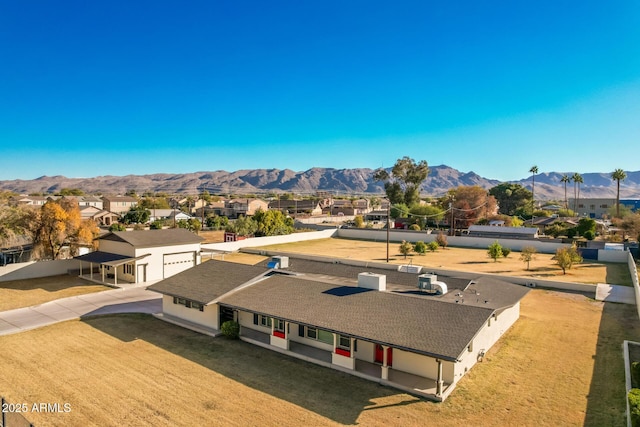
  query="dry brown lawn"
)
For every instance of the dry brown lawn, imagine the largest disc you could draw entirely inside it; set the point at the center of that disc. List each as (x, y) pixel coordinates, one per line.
(137, 370)
(25, 293)
(463, 259)
(212, 236)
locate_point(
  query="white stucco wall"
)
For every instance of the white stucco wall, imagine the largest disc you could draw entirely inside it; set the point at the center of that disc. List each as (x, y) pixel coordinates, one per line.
(343, 361)
(366, 351)
(208, 317)
(155, 261)
(33, 269)
(486, 338)
(121, 248)
(612, 256)
(424, 366)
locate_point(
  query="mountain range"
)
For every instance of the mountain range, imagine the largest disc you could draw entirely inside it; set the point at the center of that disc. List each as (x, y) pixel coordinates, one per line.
(548, 186)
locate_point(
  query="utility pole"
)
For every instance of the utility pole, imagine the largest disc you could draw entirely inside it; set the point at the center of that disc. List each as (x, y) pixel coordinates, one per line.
(388, 226)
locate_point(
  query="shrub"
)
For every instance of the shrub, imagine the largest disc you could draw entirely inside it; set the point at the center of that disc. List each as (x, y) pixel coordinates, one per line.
(230, 329)
(635, 374)
(433, 246)
(420, 248)
(634, 406)
(442, 240)
(495, 251)
(414, 227)
(506, 252)
(589, 235)
(116, 226)
(405, 248)
(156, 225)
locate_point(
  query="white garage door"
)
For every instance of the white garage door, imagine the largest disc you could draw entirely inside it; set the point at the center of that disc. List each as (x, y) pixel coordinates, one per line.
(175, 263)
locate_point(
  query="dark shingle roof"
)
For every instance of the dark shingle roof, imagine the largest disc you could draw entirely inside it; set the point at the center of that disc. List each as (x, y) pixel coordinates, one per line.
(207, 281)
(423, 325)
(149, 238)
(99, 257)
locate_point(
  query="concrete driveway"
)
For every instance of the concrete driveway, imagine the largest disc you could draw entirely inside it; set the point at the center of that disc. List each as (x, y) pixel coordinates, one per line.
(132, 300)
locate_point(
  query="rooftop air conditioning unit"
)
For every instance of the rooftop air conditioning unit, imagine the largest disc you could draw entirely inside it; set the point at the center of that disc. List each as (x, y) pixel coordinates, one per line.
(279, 262)
(429, 283)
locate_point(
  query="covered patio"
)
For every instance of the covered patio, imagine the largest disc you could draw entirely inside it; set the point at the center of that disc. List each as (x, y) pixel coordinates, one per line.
(108, 264)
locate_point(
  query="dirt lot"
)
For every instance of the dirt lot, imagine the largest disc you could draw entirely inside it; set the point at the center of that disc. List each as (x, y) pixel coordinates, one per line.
(136, 370)
(463, 259)
(25, 293)
(212, 236)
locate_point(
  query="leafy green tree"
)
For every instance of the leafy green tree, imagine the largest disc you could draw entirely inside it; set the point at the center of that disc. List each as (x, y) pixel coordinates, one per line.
(156, 225)
(566, 257)
(399, 210)
(495, 251)
(272, 223)
(402, 185)
(191, 224)
(513, 199)
(586, 224)
(358, 221)
(527, 254)
(506, 251)
(136, 215)
(243, 226)
(14, 222)
(433, 246)
(556, 230)
(217, 222)
(429, 214)
(618, 175)
(116, 226)
(420, 247)
(405, 248)
(566, 213)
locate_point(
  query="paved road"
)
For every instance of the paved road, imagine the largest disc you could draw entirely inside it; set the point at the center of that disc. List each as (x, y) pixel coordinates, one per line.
(132, 300)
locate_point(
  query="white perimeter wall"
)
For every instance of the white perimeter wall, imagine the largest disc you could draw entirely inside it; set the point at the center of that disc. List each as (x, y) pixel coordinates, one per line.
(634, 278)
(208, 317)
(270, 240)
(613, 256)
(463, 241)
(33, 269)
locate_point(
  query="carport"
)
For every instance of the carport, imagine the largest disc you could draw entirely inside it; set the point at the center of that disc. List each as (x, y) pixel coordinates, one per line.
(111, 260)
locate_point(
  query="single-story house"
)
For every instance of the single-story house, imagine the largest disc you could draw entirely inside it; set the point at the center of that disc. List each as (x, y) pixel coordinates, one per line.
(141, 255)
(168, 214)
(413, 332)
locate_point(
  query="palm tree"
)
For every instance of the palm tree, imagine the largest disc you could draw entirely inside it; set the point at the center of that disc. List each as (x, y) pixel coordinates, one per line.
(534, 171)
(618, 175)
(577, 180)
(565, 178)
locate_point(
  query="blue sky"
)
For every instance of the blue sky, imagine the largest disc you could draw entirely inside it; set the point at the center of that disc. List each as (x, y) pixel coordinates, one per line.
(137, 87)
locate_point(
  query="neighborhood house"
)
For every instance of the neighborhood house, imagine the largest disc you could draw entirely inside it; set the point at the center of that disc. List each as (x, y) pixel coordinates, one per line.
(415, 332)
(141, 255)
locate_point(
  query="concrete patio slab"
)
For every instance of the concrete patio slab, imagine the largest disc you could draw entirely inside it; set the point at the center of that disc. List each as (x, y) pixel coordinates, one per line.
(615, 293)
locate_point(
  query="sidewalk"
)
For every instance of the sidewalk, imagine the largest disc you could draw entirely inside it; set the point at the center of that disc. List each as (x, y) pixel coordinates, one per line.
(131, 300)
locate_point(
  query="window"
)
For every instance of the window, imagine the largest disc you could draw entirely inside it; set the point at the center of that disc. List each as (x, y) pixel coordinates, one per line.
(189, 304)
(278, 325)
(604, 206)
(259, 319)
(128, 269)
(344, 342)
(592, 207)
(312, 333)
(325, 337)
(580, 206)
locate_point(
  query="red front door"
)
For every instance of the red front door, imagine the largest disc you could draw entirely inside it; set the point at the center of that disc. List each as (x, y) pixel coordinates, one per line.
(379, 354)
